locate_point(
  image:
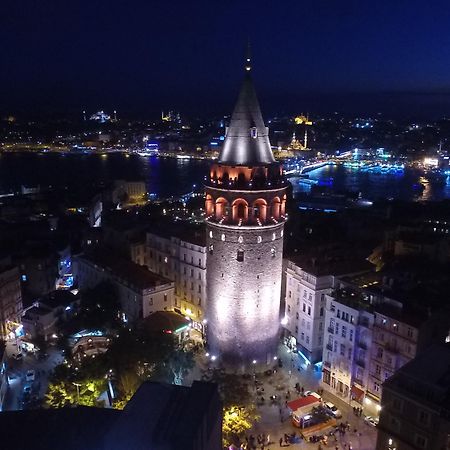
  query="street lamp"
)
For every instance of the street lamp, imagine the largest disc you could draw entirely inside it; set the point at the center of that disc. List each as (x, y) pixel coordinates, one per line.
(78, 390)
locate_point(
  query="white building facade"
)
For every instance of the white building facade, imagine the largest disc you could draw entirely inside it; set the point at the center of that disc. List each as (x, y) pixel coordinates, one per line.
(183, 262)
(304, 316)
(346, 349)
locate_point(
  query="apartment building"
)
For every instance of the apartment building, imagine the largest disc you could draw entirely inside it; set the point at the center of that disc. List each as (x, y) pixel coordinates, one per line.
(308, 281)
(181, 258)
(10, 298)
(415, 411)
(347, 344)
(140, 291)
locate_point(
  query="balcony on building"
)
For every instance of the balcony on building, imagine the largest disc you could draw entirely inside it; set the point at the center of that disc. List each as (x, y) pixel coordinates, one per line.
(362, 344)
(360, 362)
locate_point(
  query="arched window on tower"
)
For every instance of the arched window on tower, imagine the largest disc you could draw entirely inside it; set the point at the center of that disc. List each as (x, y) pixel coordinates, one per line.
(254, 132)
(221, 208)
(276, 205)
(283, 205)
(240, 210)
(209, 205)
(260, 209)
(240, 255)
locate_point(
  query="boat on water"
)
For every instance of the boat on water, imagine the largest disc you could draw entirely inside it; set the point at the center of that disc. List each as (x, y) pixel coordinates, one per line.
(149, 150)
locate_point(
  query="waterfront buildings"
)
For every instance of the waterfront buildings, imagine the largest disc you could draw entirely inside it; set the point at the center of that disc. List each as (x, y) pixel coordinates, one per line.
(10, 298)
(245, 215)
(415, 408)
(140, 291)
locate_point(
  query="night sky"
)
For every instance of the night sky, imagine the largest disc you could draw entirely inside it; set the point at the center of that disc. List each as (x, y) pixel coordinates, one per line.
(140, 56)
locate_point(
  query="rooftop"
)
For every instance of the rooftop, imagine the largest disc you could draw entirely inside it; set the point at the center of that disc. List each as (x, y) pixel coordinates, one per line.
(322, 266)
(419, 379)
(165, 321)
(192, 233)
(123, 269)
(159, 416)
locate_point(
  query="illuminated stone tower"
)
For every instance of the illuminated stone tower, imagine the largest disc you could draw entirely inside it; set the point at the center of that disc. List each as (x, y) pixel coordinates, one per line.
(245, 209)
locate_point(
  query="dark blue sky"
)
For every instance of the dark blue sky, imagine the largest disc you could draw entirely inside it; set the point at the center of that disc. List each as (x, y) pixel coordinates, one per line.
(140, 56)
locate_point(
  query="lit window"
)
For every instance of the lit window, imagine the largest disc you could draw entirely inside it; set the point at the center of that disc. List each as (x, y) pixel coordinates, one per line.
(222, 237)
(273, 252)
(240, 239)
(259, 239)
(274, 236)
(211, 234)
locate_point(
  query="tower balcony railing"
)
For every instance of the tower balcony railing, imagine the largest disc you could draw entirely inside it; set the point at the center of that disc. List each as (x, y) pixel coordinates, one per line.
(254, 221)
(247, 185)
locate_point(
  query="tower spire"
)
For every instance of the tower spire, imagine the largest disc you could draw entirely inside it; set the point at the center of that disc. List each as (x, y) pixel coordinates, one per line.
(247, 137)
(248, 58)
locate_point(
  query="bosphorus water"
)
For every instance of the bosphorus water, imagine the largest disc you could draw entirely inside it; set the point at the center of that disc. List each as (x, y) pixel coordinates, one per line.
(166, 177)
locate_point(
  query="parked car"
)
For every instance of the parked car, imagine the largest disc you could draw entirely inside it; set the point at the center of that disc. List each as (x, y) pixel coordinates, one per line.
(372, 421)
(314, 394)
(17, 356)
(30, 376)
(332, 410)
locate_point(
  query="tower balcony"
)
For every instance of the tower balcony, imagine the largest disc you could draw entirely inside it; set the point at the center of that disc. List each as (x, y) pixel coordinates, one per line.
(246, 178)
(247, 185)
(242, 222)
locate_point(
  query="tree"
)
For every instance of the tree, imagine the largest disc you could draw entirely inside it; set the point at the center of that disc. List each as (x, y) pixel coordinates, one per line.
(239, 412)
(180, 362)
(82, 392)
(233, 388)
(236, 421)
(99, 306)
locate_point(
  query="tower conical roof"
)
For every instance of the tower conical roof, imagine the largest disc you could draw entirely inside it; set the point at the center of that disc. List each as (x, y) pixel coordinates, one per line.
(247, 138)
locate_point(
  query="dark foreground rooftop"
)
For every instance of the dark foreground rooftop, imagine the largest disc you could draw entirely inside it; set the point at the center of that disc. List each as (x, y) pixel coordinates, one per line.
(159, 417)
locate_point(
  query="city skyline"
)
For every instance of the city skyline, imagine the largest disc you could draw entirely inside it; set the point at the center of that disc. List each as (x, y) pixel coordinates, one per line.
(350, 58)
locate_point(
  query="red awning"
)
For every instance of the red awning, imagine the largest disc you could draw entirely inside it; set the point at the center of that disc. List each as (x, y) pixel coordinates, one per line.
(357, 393)
(300, 402)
